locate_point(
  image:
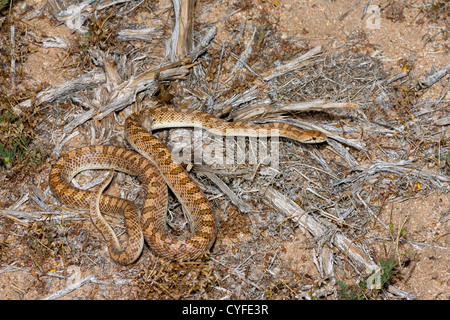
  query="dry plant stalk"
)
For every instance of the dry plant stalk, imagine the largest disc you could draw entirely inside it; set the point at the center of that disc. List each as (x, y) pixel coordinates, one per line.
(183, 32)
(291, 210)
(147, 34)
(291, 65)
(242, 206)
(125, 93)
(435, 77)
(87, 80)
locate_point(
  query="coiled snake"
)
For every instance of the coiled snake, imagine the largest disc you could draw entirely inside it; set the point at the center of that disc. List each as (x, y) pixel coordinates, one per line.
(155, 168)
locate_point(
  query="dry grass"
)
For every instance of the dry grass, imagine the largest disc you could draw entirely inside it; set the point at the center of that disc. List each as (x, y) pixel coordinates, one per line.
(397, 153)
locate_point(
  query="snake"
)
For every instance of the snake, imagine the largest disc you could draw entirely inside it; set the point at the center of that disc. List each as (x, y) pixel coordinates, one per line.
(153, 165)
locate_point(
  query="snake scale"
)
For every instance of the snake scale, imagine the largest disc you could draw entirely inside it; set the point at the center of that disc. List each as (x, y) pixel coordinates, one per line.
(155, 169)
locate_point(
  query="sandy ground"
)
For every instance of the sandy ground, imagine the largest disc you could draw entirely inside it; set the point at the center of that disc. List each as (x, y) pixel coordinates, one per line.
(401, 36)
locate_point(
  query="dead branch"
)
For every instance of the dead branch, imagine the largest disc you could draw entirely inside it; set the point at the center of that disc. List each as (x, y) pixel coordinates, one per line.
(307, 223)
(242, 206)
(183, 32)
(61, 293)
(291, 65)
(87, 80)
(435, 77)
(242, 59)
(24, 217)
(399, 168)
(147, 34)
(125, 93)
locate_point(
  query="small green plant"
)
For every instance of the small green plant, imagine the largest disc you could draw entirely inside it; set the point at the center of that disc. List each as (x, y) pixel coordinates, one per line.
(3, 4)
(388, 271)
(347, 294)
(361, 290)
(13, 139)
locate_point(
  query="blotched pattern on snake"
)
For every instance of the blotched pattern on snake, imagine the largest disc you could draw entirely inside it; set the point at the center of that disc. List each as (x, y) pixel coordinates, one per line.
(155, 168)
